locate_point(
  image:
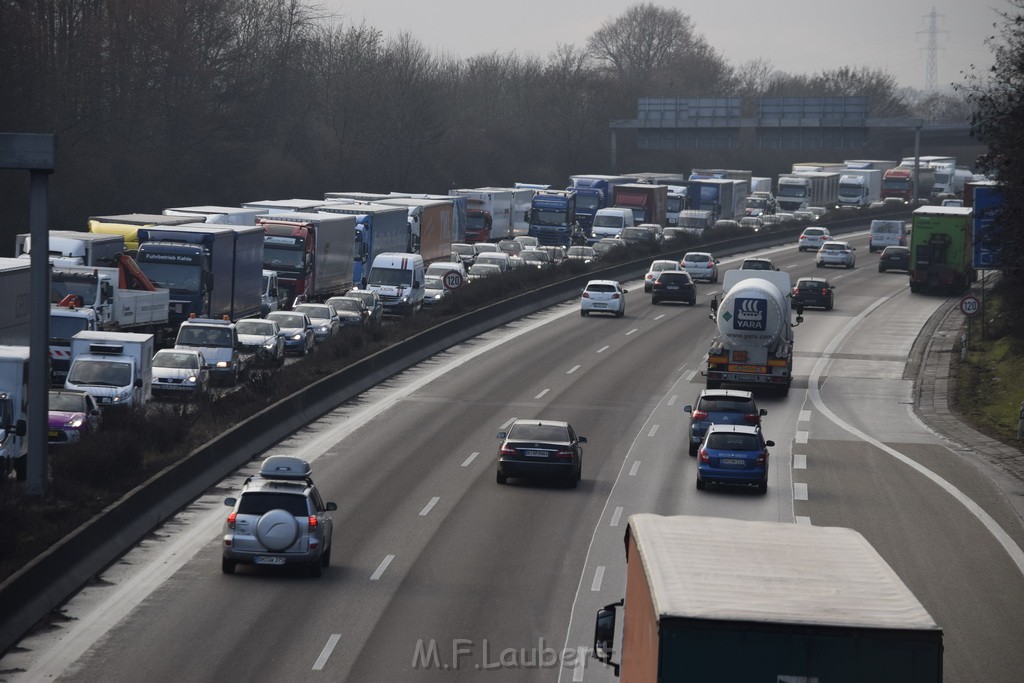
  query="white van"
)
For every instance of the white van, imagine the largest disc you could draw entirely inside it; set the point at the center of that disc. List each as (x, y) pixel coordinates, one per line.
(888, 234)
(609, 222)
(398, 279)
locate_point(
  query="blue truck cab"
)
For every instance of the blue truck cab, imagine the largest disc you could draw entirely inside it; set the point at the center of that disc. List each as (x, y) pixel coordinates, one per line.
(594, 192)
(553, 217)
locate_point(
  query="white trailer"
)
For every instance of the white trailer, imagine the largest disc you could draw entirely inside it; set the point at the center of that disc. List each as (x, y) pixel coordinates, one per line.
(860, 187)
(75, 248)
(219, 215)
(489, 205)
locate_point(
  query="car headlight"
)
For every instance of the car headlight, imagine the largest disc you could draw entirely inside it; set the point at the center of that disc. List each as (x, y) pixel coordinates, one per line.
(321, 328)
(75, 422)
(297, 336)
(437, 296)
(270, 345)
(223, 364)
(191, 380)
(405, 299)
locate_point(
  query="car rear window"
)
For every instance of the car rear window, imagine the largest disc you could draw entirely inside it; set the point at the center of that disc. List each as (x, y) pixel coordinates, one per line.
(673, 276)
(729, 441)
(600, 288)
(696, 258)
(259, 503)
(812, 284)
(726, 405)
(814, 232)
(535, 432)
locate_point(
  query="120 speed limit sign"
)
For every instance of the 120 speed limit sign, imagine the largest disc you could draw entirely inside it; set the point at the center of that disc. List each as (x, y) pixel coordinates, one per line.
(452, 279)
(970, 305)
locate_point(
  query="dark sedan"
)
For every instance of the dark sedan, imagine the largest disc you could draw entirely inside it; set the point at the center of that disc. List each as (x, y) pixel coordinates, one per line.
(894, 258)
(540, 448)
(673, 285)
(814, 292)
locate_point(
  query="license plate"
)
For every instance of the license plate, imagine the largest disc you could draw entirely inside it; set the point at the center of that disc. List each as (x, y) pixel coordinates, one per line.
(673, 287)
(732, 462)
(53, 434)
(596, 305)
(264, 559)
(745, 368)
(535, 454)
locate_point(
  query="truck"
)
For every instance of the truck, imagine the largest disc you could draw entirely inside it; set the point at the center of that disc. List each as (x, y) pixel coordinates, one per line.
(902, 183)
(817, 604)
(797, 191)
(695, 221)
(942, 249)
(818, 167)
(98, 299)
(949, 181)
(431, 226)
(721, 174)
(860, 187)
(760, 184)
(553, 217)
(115, 367)
(714, 195)
(490, 214)
(522, 199)
(16, 298)
(364, 197)
(648, 202)
(459, 206)
(593, 192)
(378, 228)
(13, 410)
(74, 248)
(219, 215)
(313, 253)
(274, 206)
(212, 271)
(754, 344)
(759, 204)
(127, 225)
(674, 203)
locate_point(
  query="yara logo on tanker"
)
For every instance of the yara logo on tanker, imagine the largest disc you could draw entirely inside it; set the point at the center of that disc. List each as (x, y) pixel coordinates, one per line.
(751, 314)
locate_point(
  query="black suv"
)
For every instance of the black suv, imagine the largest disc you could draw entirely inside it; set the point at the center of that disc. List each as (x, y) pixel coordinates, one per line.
(540, 448)
(674, 285)
(814, 291)
(894, 258)
(278, 519)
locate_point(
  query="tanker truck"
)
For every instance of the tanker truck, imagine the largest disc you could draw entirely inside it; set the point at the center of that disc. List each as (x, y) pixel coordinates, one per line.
(754, 345)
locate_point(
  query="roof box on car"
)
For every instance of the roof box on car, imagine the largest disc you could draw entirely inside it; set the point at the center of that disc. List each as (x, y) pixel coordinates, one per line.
(285, 467)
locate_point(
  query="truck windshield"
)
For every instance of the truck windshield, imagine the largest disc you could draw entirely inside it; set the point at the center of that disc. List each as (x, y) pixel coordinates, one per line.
(756, 203)
(547, 217)
(587, 203)
(62, 328)
(895, 184)
(61, 288)
(97, 372)
(476, 222)
(674, 204)
(180, 278)
(282, 256)
(607, 222)
(389, 277)
(792, 191)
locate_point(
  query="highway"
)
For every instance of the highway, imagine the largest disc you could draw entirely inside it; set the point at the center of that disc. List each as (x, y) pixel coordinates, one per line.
(440, 574)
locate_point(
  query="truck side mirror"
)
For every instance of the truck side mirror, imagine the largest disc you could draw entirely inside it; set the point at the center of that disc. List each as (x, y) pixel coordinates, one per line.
(138, 382)
(604, 635)
(21, 428)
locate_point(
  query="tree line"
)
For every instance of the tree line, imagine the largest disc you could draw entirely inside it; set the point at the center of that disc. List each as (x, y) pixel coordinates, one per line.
(183, 102)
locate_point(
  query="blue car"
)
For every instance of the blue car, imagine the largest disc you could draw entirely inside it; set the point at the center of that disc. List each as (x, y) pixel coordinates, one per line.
(296, 329)
(721, 406)
(735, 455)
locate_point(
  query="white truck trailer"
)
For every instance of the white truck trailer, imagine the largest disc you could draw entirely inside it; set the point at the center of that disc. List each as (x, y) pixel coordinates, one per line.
(860, 187)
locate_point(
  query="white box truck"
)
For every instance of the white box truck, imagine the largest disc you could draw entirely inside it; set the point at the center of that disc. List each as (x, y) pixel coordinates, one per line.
(488, 214)
(115, 367)
(74, 248)
(13, 410)
(860, 187)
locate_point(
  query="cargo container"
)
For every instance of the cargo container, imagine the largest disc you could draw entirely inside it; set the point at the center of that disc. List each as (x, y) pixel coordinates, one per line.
(942, 249)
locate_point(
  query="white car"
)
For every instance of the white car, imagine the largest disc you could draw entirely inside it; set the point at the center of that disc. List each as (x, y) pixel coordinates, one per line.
(701, 265)
(836, 254)
(603, 296)
(180, 373)
(657, 267)
(812, 238)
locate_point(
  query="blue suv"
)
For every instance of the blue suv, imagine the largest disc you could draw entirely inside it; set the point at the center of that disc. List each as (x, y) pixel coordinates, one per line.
(721, 406)
(735, 455)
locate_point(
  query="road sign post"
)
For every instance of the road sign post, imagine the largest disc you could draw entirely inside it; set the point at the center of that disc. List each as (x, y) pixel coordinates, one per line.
(969, 306)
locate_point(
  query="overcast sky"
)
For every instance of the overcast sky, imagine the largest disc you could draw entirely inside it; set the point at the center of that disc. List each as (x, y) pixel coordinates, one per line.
(798, 36)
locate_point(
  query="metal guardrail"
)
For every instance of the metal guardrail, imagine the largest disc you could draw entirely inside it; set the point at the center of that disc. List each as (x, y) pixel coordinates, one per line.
(53, 577)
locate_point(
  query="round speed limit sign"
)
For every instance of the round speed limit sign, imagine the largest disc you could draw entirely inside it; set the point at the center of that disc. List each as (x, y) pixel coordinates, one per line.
(970, 305)
(452, 279)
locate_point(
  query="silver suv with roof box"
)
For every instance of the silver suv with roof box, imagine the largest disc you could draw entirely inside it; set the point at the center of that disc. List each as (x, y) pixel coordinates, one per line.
(279, 519)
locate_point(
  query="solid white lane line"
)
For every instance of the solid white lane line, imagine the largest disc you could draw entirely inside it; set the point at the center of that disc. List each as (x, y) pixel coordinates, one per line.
(632, 331)
(654, 430)
(1003, 538)
(801, 437)
(805, 416)
(672, 401)
(573, 369)
(799, 461)
(541, 394)
(429, 506)
(598, 577)
(470, 459)
(799, 491)
(616, 516)
(603, 349)
(634, 468)
(803, 520)
(382, 568)
(325, 654)
(659, 317)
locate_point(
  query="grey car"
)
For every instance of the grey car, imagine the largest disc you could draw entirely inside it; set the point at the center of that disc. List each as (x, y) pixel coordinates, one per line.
(278, 519)
(325, 319)
(351, 312)
(262, 339)
(296, 329)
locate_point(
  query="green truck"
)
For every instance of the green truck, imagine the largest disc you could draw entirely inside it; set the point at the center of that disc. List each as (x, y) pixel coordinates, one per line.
(942, 249)
(714, 599)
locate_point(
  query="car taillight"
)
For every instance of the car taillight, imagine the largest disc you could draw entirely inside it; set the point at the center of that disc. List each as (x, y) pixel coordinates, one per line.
(586, 295)
(824, 290)
(761, 457)
(702, 455)
(231, 520)
(700, 415)
(649, 276)
(312, 522)
(563, 453)
(615, 296)
(752, 418)
(507, 451)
